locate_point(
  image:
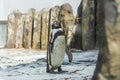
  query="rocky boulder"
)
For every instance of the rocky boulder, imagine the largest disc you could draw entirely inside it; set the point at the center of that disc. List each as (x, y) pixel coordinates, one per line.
(28, 29)
(88, 24)
(36, 31)
(44, 28)
(13, 22)
(19, 33)
(67, 19)
(54, 14)
(108, 40)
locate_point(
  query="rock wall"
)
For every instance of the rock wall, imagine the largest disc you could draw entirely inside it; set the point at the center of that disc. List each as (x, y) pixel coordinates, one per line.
(67, 19)
(78, 32)
(13, 22)
(99, 21)
(37, 30)
(44, 28)
(28, 29)
(31, 30)
(19, 34)
(54, 14)
(87, 24)
(108, 40)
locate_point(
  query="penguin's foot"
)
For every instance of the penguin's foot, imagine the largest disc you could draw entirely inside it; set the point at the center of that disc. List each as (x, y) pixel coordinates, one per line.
(50, 70)
(60, 69)
(47, 70)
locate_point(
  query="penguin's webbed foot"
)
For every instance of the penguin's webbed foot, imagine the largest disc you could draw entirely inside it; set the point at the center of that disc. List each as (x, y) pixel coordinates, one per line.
(47, 70)
(50, 70)
(60, 69)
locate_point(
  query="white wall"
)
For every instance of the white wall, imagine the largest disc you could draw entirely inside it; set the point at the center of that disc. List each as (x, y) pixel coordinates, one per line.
(7, 6)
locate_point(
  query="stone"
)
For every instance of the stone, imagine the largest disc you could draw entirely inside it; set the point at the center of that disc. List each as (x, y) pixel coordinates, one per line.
(12, 28)
(19, 33)
(78, 32)
(108, 40)
(36, 31)
(88, 27)
(28, 29)
(44, 28)
(67, 19)
(54, 14)
(113, 37)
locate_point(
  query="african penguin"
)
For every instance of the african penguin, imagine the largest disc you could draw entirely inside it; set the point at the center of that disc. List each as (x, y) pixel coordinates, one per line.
(56, 48)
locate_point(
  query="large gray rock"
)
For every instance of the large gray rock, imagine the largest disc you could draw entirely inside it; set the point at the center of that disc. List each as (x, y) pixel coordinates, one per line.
(88, 25)
(13, 22)
(67, 19)
(54, 14)
(108, 40)
(36, 31)
(28, 29)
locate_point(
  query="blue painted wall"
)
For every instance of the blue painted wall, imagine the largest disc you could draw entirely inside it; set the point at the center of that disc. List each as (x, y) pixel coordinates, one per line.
(3, 35)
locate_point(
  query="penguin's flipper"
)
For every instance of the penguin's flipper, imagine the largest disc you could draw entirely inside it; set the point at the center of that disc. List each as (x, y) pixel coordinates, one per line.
(47, 70)
(69, 54)
(48, 66)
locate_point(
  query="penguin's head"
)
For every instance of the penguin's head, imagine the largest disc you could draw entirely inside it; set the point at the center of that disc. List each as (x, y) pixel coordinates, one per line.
(56, 25)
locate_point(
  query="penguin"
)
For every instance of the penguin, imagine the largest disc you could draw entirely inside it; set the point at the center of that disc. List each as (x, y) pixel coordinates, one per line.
(56, 48)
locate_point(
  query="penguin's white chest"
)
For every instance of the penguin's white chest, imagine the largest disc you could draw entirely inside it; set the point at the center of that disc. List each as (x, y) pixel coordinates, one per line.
(58, 51)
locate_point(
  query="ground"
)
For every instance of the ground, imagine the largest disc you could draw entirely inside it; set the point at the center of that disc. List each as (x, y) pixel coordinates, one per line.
(21, 64)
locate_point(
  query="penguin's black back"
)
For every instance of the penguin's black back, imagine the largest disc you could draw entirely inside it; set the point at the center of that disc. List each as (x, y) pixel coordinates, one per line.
(57, 34)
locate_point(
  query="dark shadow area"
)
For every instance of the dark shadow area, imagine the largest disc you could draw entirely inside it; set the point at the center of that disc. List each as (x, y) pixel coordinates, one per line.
(103, 15)
(56, 72)
(78, 32)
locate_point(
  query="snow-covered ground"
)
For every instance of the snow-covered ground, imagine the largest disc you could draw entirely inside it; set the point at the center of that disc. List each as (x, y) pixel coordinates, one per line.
(21, 64)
